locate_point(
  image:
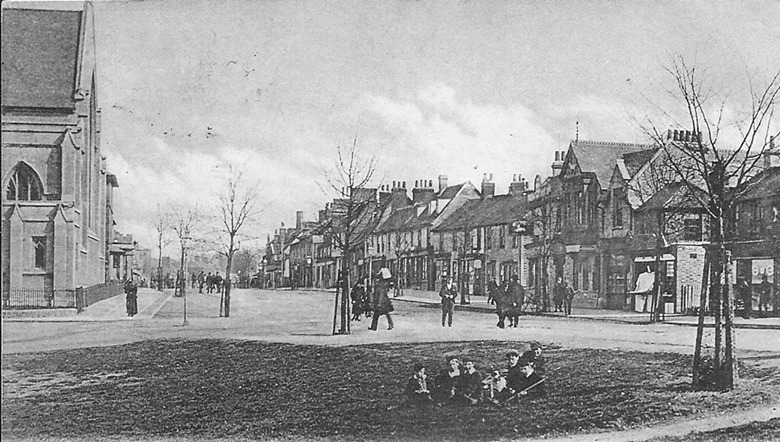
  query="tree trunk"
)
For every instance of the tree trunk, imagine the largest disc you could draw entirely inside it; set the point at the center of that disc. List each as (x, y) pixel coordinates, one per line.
(730, 363)
(344, 315)
(700, 324)
(227, 282)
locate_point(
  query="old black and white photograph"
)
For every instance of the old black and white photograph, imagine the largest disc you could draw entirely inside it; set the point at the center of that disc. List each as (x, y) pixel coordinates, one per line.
(400, 220)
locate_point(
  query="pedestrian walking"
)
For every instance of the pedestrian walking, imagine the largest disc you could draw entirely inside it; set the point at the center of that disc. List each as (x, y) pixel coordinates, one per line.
(357, 295)
(448, 293)
(503, 303)
(568, 299)
(492, 287)
(559, 294)
(131, 297)
(517, 297)
(743, 288)
(381, 301)
(218, 281)
(764, 294)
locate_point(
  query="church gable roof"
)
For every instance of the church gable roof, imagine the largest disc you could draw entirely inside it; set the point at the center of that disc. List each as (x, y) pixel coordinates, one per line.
(40, 56)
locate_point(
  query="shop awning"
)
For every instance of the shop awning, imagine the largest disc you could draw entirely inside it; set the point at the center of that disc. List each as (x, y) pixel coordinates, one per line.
(664, 257)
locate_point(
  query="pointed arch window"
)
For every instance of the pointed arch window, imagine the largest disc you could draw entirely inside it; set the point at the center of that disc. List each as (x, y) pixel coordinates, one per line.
(24, 185)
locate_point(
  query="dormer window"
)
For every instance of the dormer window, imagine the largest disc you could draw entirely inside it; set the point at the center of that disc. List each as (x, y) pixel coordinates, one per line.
(24, 185)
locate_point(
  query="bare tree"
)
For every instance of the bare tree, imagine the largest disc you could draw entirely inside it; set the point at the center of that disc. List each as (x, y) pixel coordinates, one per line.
(715, 172)
(544, 221)
(353, 216)
(236, 205)
(160, 227)
(184, 221)
(401, 243)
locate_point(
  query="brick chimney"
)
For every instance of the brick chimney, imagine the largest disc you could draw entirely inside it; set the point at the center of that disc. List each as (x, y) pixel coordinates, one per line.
(516, 186)
(298, 219)
(423, 190)
(557, 165)
(488, 187)
(442, 182)
(772, 155)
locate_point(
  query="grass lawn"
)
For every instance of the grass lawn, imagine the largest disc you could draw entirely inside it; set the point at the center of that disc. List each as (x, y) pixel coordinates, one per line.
(755, 431)
(237, 389)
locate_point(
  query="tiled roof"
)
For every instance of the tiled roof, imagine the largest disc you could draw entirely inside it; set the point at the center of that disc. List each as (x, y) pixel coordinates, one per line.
(600, 157)
(500, 209)
(398, 220)
(674, 195)
(40, 52)
(449, 192)
(763, 185)
(635, 160)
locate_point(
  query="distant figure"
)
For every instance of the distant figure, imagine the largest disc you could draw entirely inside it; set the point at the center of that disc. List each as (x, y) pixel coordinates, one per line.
(492, 287)
(743, 288)
(131, 297)
(357, 295)
(447, 295)
(559, 294)
(568, 300)
(218, 282)
(764, 294)
(517, 296)
(201, 281)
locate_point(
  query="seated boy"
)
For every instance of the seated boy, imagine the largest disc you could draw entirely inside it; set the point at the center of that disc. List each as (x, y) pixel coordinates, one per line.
(417, 387)
(469, 387)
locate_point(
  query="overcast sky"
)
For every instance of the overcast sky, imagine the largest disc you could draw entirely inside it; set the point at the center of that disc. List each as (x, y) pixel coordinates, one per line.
(191, 88)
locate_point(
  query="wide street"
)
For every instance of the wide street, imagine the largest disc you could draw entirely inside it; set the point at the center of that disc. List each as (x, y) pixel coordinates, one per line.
(306, 317)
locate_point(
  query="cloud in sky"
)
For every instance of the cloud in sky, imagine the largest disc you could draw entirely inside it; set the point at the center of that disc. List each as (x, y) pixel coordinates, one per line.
(455, 88)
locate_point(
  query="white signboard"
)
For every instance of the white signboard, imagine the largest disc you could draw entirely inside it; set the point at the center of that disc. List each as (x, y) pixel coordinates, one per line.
(762, 267)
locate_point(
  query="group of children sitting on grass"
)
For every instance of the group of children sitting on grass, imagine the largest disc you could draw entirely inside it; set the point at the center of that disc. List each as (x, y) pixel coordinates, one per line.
(463, 383)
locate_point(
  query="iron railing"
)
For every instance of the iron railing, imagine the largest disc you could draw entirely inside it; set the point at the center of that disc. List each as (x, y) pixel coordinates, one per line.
(79, 298)
(38, 298)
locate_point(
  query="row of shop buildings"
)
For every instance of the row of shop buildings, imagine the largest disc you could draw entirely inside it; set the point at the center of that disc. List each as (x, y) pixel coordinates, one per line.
(59, 244)
(592, 223)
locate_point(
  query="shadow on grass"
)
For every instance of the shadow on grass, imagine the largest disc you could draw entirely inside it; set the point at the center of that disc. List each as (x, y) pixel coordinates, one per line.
(223, 388)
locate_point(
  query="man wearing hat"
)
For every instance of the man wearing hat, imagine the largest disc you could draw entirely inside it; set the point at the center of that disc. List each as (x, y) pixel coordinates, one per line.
(381, 304)
(535, 356)
(521, 379)
(448, 293)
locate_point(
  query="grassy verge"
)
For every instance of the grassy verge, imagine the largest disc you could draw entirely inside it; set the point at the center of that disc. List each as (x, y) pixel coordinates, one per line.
(755, 431)
(216, 388)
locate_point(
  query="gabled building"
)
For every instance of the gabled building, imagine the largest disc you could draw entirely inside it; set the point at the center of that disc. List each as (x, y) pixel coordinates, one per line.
(483, 240)
(403, 233)
(756, 248)
(57, 204)
(586, 175)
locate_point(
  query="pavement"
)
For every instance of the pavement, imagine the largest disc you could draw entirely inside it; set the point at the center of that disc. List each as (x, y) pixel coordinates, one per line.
(480, 304)
(112, 309)
(151, 301)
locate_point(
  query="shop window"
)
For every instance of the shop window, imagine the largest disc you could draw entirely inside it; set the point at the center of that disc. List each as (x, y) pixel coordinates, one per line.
(24, 185)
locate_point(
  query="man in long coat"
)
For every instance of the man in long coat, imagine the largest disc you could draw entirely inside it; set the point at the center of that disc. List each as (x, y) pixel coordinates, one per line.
(381, 304)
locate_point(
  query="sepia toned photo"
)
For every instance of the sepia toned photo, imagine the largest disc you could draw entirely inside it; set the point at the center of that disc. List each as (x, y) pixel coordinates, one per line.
(347, 220)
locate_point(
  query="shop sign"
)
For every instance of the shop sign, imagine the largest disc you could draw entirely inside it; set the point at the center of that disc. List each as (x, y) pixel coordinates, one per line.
(762, 267)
